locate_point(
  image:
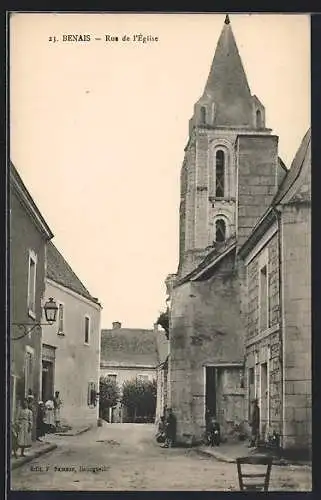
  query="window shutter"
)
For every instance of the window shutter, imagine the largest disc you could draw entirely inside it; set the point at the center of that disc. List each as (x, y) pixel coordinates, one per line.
(91, 396)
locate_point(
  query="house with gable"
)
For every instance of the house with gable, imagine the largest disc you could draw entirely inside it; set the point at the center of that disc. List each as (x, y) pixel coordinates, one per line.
(71, 346)
(128, 354)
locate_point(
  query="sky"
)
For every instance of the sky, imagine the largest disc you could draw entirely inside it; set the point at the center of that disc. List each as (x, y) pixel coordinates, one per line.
(98, 130)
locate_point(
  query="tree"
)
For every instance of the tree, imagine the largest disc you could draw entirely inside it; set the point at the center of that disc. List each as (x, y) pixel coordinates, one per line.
(163, 321)
(108, 394)
(139, 397)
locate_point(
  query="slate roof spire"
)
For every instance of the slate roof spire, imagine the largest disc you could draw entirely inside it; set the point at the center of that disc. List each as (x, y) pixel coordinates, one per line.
(227, 84)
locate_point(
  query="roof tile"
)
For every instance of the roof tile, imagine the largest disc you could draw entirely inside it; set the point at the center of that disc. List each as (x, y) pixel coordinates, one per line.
(294, 171)
(129, 346)
(60, 271)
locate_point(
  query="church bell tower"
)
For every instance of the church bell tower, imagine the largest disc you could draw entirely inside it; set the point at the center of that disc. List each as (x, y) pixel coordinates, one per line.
(209, 176)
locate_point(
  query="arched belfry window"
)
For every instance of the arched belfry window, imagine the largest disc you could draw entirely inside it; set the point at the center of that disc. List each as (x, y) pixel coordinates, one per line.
(259, 121)
(203, 115)
(220, 230)
(219, 173)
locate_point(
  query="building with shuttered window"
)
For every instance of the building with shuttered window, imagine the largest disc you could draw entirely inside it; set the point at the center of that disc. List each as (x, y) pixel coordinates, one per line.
(71, 347)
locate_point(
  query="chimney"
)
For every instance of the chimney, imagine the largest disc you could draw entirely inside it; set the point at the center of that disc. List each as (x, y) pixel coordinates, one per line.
(116, 325)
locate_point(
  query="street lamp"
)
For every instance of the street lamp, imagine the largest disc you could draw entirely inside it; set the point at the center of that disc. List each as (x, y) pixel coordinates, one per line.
(50, 309)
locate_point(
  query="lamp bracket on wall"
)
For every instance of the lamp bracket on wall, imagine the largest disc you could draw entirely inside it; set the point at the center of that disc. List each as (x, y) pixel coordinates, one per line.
(50, 309)
(28, 328)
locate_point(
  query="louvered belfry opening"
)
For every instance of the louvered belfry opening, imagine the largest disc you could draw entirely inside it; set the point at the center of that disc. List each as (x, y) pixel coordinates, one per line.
(219, 173)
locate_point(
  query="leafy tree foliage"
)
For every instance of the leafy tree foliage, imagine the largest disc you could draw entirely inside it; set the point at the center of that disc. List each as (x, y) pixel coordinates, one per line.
(109, 394)
(139, 397)
(163, 321)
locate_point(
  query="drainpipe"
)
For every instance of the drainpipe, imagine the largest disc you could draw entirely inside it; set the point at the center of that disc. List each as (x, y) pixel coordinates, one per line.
(277, 214)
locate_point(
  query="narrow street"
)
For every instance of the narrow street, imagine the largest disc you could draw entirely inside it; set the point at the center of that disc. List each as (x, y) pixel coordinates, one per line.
(130, 459)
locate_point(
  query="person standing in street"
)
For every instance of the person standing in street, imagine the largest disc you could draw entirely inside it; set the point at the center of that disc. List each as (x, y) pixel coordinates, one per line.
(57, 405)
(30, 398)
(170, 429)
(25, 419)
(255, 424)
(40, 425)
(161, 431)
(50, 421)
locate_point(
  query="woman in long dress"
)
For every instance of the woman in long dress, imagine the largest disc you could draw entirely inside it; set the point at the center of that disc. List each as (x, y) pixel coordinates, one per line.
(49, 418)
(57, 405)
(25, 419)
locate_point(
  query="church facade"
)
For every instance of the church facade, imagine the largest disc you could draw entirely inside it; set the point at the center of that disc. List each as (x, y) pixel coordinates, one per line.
(230, 176)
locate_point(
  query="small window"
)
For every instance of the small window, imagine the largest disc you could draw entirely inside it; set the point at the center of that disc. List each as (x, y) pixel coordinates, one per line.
(264, 303)
(92, 394)
(251, 390)
(61, 319)
(259, 123)
(241, 379)
(87, 329)
(112, 377)
(32, 284)
(220, 231)
(219, 173)
(264, 380)
(203, 115)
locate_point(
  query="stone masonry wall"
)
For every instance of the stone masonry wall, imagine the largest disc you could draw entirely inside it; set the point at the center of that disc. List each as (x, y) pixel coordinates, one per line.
(296, 241)
(182, 211)
(274, 281)
(204, 331)
(180, 372)
(190, 197)
(267, 349)
(202, 189)
(257, 158)
(252, 316)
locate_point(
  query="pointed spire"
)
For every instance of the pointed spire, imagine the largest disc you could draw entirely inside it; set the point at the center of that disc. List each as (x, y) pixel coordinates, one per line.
(227, 84)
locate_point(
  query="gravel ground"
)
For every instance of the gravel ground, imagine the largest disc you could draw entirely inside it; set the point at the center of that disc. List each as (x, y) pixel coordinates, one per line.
(126, 457)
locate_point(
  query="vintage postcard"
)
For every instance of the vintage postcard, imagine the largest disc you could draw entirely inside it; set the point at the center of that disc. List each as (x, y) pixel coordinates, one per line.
(160, 246)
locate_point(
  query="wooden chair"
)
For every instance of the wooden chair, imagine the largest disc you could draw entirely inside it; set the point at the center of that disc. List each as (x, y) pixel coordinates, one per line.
(263, 484)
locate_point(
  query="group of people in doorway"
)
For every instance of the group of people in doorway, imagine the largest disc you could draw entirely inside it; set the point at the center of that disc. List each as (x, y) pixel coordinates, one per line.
(48, 416)
(47, 420)
(166, 432)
